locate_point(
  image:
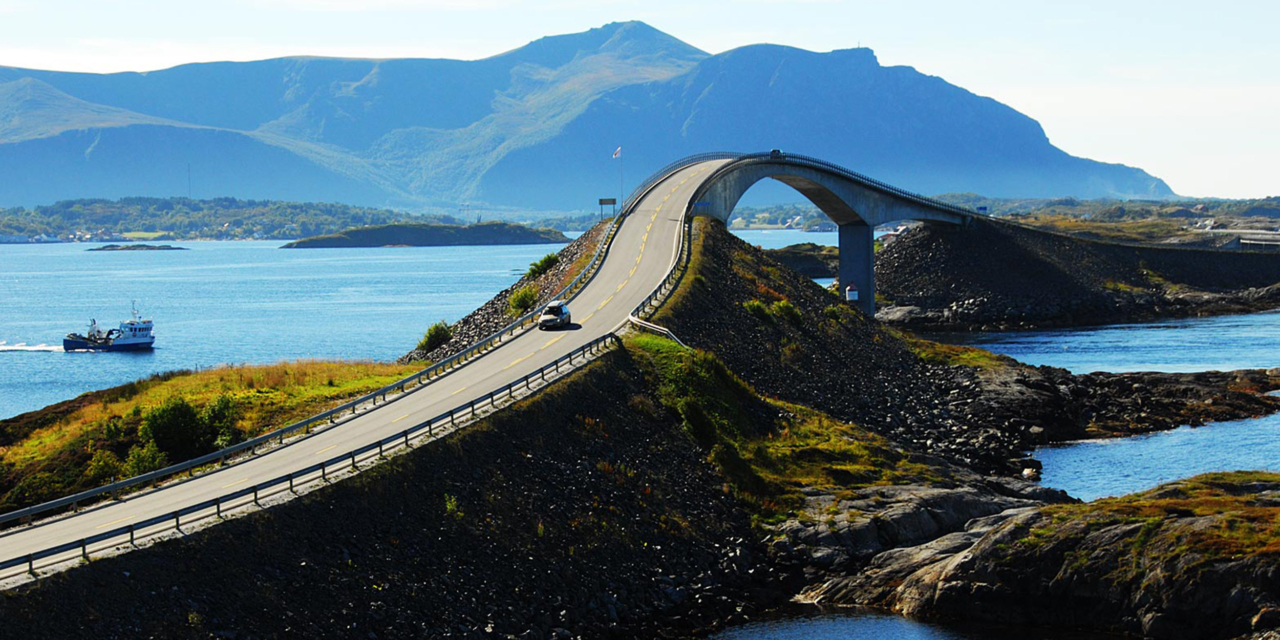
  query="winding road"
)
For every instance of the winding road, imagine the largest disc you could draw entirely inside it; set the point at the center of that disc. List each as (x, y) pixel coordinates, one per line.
(642, 252)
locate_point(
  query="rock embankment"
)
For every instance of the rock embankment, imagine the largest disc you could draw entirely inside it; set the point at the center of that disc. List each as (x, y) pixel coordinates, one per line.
(496, 313)
(585, 511)
(997, 275)
(832, 358)
(1193, 559)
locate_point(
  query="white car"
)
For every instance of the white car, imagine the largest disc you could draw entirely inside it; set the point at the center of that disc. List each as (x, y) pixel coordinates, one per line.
(555, 316)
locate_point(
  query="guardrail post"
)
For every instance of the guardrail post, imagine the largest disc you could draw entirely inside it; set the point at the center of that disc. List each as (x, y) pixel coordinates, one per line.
(131, 534)
(290, 482)
(353, 460)
(255, 496)
(31, 563)
(177, 520)
(324, 476)
(84, 549)
(217, 507)
(380, 449)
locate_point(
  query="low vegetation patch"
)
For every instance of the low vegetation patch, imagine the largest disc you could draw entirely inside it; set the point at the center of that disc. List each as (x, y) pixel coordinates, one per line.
(542, 265)
(768, 449)
(1216, 516)
(522, 300)
(107, 435)
(437, 334)
(952, 354)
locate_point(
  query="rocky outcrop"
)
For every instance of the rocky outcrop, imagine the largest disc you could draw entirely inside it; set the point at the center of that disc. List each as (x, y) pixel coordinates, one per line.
(1192, 559)
(432, 235)
(998, 275)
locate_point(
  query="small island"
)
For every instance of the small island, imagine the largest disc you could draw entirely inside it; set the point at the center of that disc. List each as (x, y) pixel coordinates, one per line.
(432, 235)
(137, 247)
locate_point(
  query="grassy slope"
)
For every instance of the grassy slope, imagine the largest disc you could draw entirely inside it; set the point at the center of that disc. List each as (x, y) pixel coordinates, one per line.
(46, 454)
(768, 449)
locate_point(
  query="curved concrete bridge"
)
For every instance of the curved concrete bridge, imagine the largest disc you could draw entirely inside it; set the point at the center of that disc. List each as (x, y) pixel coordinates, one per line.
(856, 203)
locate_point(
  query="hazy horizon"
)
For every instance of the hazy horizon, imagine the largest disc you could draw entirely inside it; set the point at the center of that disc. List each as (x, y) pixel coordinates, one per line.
(1184, 91)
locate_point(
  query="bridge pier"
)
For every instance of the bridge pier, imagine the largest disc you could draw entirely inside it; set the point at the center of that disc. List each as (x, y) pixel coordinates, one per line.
(857, 264)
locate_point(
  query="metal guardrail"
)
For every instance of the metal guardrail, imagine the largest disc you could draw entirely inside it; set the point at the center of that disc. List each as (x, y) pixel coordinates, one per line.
(441, 424)
(862, 179)
(400, 387)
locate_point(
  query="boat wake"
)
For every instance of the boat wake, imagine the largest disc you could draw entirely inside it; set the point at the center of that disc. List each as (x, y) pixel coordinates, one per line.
(22, 346)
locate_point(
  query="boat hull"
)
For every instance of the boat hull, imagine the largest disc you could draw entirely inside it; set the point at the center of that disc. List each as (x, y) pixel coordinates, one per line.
(83, 345)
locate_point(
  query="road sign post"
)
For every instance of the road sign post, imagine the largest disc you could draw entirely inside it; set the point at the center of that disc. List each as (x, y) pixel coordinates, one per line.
(604, 201)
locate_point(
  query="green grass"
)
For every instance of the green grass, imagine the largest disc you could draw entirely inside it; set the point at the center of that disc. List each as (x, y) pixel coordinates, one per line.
(1235, 523)
(953, 355)
(768, 449)
(89, 445)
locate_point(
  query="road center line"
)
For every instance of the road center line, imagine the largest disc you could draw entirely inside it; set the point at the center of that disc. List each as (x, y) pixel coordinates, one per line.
(227, 486)
(515, 362)
(104, 526)
(602, 304)
(551, 342)
(458, 391)
(400, 418)
(332, 446)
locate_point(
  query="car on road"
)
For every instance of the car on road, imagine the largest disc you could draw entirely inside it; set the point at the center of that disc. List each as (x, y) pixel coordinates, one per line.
(555, 316)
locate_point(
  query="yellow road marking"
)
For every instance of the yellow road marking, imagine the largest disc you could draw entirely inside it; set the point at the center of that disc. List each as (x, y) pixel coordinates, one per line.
(624, 283)
(606, 301)
(655, 214)
(458, 391)
(228, 486)
(115, 522)
(633, 269)
(553, 341)
(513, 363)
(400, 418)
(588, 316)
(332, 446)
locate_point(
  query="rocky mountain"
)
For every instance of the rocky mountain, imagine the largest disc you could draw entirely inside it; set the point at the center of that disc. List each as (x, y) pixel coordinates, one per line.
(531, 128)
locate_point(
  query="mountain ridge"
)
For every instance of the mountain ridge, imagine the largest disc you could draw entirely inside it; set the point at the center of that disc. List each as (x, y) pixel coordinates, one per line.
(529, 128)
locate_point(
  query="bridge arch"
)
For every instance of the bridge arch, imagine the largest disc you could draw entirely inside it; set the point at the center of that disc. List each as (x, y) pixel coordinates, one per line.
(856, 203)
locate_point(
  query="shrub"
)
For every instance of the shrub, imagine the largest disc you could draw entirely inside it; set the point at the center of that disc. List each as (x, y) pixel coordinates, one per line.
(103, 468)
(541, 266)
(438, 334)
(177, 430)
(219, 418)
(787, 311)
(757, 309)
(522, 301)
(144, 458)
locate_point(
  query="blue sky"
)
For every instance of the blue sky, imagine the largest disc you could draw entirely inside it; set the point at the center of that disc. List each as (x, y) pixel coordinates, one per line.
(1189, 91)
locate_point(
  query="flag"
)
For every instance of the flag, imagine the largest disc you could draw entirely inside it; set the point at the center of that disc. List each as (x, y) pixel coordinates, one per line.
(618, 153)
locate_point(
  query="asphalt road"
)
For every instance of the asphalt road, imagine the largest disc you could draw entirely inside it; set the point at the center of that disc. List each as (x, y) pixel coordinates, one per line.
(642, 252)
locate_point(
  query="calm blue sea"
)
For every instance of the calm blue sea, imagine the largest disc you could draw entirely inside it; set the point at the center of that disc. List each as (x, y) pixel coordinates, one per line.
(229, 302)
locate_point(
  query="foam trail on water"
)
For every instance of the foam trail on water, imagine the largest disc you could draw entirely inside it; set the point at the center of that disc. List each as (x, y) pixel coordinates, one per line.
(22, 346)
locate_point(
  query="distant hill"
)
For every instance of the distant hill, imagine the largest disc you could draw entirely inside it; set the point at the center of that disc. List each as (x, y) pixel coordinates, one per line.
(532, 128)
(186, 219)
(432, 235)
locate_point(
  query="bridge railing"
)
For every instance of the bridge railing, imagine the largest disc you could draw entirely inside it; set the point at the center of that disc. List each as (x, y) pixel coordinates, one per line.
(439, 425)
(863, 179)
(325, 418)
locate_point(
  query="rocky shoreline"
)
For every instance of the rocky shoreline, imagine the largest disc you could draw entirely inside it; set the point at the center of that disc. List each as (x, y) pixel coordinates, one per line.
(995, 275)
